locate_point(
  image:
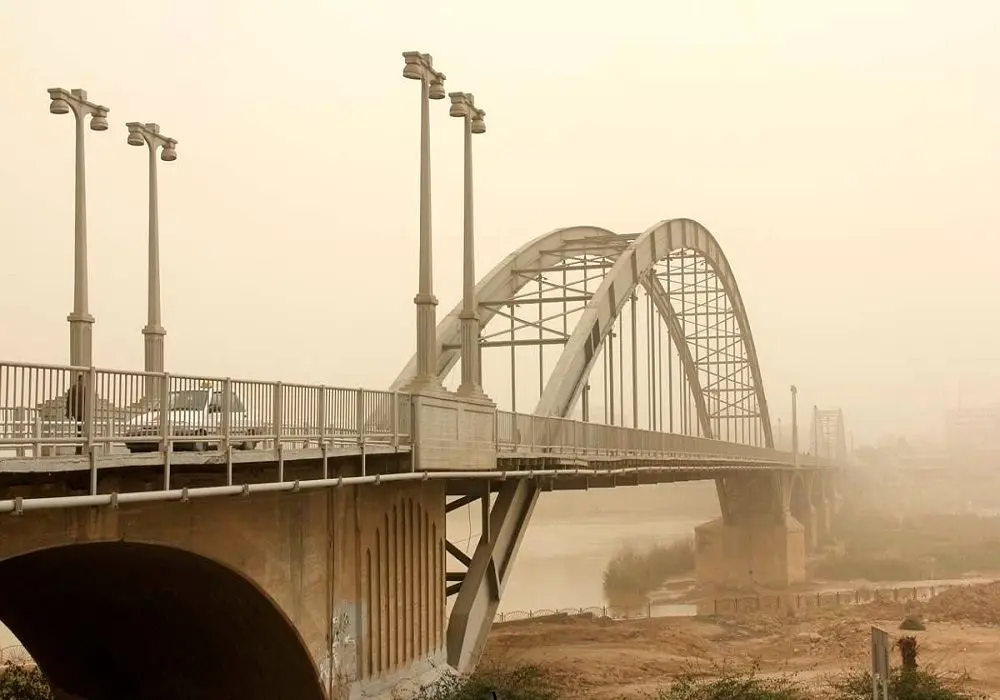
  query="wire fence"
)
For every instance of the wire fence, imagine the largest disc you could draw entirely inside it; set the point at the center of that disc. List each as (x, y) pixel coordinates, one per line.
(735, 605)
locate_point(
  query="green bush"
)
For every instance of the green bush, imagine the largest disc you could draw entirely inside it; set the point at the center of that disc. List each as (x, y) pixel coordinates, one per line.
(632, 575)
(717, 682)
(727, 683)
(921, 684)
(23, 682)
(518, 682)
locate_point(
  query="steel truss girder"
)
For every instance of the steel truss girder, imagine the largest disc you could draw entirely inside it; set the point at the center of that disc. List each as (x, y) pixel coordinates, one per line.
(488, 572)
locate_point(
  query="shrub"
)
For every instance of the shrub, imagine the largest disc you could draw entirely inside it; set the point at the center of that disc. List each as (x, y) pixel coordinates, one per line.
(23, 682)
(734, 684)
(632, 575)
(913, 623)
(919, 684)
(518, 682)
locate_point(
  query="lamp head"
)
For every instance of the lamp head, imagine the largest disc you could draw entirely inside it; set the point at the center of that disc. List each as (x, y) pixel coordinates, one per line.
(135, 135)
(436, 91)
(99, 120)
(169, 152)
(459, 107)
(59, 106)
(479, 122)
(414, 66)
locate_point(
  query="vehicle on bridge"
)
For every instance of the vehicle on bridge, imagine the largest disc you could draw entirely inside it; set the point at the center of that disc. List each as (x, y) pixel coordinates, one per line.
(197, 413)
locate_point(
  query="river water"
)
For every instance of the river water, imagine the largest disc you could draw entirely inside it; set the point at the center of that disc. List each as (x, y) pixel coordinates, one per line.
(573, 535)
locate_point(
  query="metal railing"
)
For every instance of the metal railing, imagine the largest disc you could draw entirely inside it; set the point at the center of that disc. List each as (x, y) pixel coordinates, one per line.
(48, 410)
(531, 434)
(737, 605)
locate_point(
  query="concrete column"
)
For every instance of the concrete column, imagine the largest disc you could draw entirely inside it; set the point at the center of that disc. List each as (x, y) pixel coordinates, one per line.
(757, 542)
(759, 552)
(822, 513)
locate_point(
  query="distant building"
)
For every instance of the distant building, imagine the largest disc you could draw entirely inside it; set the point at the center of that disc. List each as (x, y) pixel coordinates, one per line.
(973, 430)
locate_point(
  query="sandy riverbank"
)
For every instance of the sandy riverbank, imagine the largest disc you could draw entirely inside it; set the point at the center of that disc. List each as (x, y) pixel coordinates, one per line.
(602, 659)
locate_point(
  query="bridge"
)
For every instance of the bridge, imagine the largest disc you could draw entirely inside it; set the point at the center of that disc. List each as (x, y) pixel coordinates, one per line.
(187, 536)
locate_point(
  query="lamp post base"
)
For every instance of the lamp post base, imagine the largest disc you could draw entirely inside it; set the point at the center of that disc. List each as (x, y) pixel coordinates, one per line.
(425, 386)
(81, 331)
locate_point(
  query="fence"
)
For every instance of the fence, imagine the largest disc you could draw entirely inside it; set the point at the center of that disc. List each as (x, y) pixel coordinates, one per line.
(48, 410)
(776, 602)
(526, 433)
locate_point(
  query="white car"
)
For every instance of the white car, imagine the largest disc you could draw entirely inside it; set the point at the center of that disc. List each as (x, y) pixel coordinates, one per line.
(195, 413)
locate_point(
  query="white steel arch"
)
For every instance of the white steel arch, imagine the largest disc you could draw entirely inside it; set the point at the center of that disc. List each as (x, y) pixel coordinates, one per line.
(631, 269)
(502, 282)
(635, 257)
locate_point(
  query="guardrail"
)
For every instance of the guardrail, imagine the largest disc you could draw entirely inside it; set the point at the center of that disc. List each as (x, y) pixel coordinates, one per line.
(48, 410)
(526, 433)
(735, 605)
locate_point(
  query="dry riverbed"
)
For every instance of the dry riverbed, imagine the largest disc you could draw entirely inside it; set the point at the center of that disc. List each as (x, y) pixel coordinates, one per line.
(604, 659)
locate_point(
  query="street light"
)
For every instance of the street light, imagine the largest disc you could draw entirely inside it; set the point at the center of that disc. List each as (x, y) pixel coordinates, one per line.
(795, 426)
(80, 321)
(149, 135)
(420, 66)
(463, 106)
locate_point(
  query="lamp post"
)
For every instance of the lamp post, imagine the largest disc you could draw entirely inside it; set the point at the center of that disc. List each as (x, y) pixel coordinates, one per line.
(80, 321)
(149, 135)
(420, 66)
(463, 106)
(795, 426)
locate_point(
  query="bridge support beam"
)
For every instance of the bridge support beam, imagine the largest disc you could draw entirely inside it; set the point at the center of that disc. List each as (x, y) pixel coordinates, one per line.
(488, 572)
(757, 542)
(824, 503)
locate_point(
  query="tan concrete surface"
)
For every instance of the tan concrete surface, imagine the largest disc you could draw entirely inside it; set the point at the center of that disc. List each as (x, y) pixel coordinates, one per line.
(357, 572)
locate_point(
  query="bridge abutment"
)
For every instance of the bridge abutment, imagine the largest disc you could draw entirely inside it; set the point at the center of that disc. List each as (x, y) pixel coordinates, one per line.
(758, 552)
(756, 542)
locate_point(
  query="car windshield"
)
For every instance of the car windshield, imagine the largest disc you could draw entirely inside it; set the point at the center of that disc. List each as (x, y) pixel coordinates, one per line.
(188, 400)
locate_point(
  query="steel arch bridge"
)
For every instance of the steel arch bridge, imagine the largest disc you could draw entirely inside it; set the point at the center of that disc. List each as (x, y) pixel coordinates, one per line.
(653, 322)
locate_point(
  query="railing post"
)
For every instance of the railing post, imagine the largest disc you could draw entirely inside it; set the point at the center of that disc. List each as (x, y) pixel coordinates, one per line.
(227, 413)
(360, 422)
(164, 410)
(36, 447)
(359, 415)
(89, 414)
(276, 413)
(21, 430)
(88, 427)
(395, 419)
(321, 415)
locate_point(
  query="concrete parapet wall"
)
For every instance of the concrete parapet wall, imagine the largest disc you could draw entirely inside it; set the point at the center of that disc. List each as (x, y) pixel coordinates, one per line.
(454, 433)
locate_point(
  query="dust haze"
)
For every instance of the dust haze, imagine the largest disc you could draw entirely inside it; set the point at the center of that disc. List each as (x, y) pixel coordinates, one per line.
(844, 154)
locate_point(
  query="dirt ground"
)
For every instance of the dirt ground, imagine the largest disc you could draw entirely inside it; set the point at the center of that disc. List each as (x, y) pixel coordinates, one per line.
(603, 659)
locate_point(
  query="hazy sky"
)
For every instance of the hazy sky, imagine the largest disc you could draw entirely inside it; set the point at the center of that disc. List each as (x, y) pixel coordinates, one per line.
(845, 154)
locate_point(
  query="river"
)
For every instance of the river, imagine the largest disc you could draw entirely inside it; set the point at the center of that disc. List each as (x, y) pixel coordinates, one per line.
(573, 535)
